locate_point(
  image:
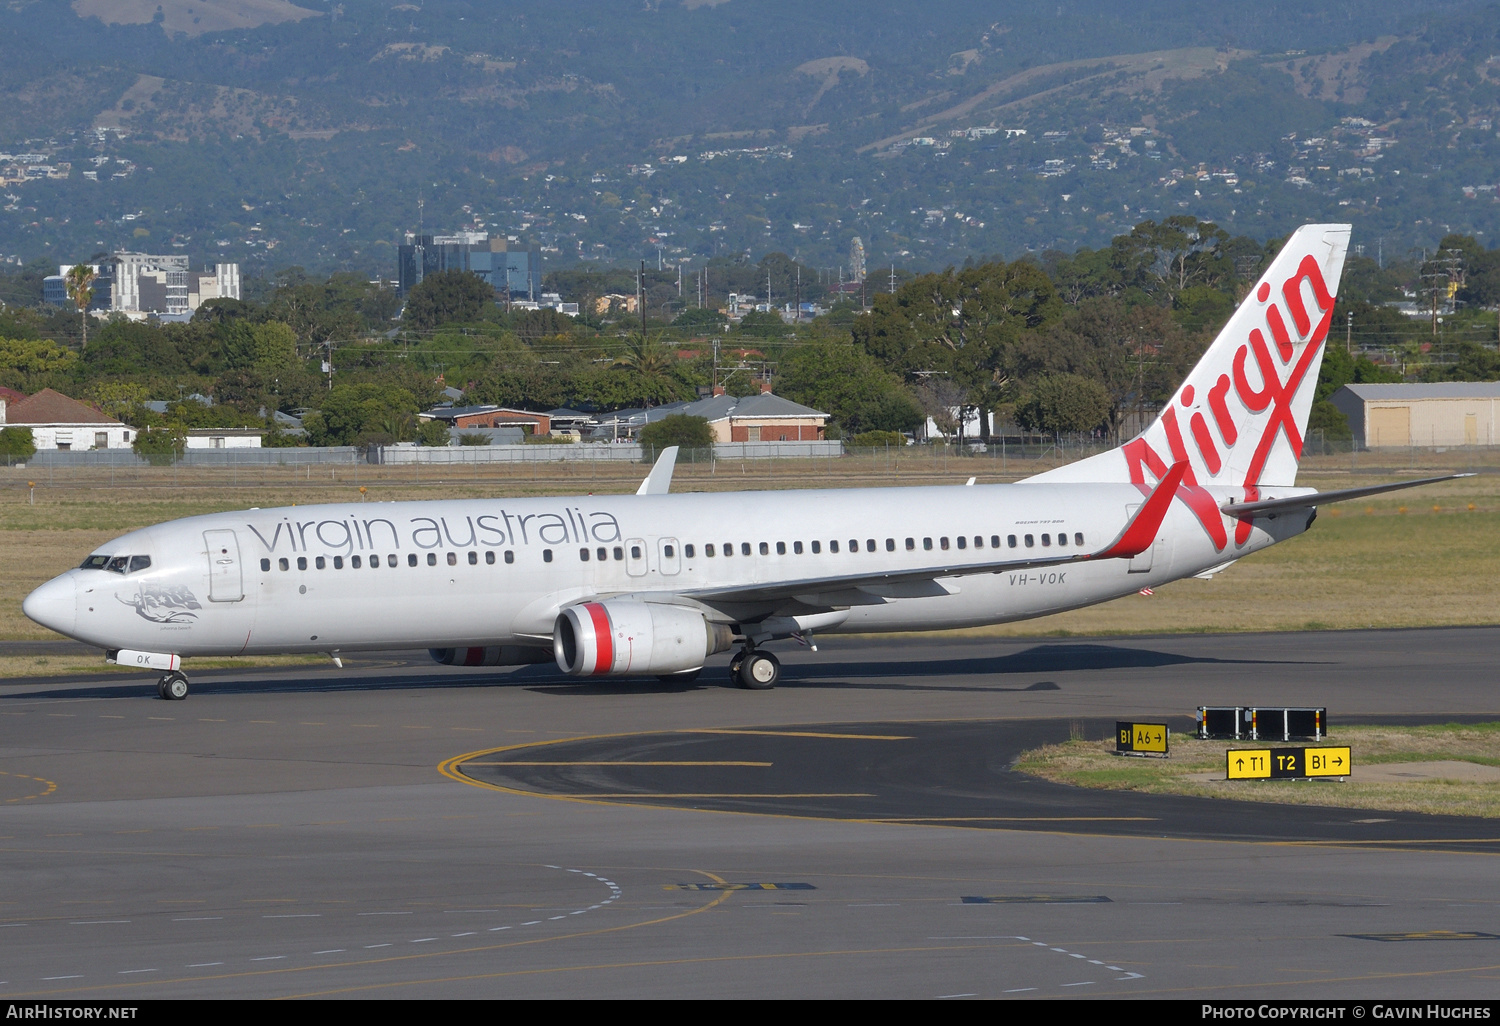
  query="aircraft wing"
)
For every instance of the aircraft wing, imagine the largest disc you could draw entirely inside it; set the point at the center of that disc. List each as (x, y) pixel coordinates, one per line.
(862, 589)
(1251, 509)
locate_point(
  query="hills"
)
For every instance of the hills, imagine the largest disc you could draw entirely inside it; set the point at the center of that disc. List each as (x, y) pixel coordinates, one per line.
(314, 134)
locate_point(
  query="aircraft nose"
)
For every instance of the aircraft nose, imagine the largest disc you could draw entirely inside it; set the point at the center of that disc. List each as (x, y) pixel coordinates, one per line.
(54, 605)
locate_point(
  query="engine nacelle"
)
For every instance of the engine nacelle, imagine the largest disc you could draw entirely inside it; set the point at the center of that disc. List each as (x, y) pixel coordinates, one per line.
(641, 638)
(491, 655)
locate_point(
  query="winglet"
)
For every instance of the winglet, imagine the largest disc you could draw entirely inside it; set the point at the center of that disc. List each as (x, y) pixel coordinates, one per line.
(1141, 531)
(659, 481)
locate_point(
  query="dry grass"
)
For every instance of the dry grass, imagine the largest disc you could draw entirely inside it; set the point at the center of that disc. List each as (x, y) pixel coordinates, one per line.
(1387, 562)
(75, 665)
(1094, 764)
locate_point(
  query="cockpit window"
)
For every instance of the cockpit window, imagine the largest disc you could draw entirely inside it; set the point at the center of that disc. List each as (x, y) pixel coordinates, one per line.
(116, 564)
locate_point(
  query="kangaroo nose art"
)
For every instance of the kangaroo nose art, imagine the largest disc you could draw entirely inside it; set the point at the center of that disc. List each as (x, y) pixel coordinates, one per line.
(54, 605)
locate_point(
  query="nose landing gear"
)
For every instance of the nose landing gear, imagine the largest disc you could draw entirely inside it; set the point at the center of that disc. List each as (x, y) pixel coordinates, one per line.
(173, 687)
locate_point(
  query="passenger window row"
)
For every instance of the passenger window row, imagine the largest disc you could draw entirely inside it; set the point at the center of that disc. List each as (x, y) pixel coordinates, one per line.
(358, 562)
(130, 564)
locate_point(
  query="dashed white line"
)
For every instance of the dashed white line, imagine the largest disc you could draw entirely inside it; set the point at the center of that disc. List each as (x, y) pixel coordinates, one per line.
(267, 958)
(422, 940)
(99, 922)
(331, 951)
(369, 946)
(49, 979)
(196, 919)
(944, 997)
(534, 922)
(1017, 990)
(383, 913)
(296, 915)
(127, 972)
(1085, 983)
(469, 934)
(204, 965)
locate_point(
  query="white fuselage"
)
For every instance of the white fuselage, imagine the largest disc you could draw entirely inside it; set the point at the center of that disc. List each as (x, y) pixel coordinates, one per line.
(448, 573)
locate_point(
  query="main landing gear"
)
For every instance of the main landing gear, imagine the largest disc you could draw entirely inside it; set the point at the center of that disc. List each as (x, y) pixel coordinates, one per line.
(173, 687)
(755, 670)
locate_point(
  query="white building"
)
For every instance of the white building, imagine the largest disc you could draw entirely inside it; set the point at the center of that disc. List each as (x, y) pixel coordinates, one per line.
(224, 438)
(1444, 413)
(60, 423)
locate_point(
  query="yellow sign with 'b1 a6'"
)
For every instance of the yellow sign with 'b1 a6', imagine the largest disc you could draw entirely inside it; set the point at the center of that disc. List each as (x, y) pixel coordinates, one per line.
(1287, 763)
(1142, 738)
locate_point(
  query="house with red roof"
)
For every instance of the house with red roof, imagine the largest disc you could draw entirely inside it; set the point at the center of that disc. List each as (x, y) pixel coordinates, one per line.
(60, 423)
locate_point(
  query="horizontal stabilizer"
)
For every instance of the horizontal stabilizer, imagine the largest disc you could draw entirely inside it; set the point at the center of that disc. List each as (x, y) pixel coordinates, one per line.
(1251, 509)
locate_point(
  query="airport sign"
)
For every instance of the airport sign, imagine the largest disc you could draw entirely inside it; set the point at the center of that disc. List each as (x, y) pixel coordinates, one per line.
(1141, 738)
(1287, 763)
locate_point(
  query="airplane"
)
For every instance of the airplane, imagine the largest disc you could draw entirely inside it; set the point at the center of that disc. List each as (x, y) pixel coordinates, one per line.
(653, 584)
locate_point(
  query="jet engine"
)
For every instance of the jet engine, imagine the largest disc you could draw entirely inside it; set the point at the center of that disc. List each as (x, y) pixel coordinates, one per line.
(644, 638)
(491, 655)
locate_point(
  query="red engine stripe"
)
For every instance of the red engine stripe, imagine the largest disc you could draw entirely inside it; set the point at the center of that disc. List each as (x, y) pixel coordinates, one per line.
(604, 644)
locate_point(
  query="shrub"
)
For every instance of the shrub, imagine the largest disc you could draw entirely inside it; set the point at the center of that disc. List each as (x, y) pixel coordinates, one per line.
(877, 439)
(17, 443)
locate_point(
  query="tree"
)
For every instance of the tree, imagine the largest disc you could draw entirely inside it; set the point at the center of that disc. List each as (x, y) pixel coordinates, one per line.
(161, 445)
(1139, 354)
(353, 414)
(679, 429)
(16, 443)
(850, 385)
(79, 282)
(1064, 403)
(447, 297)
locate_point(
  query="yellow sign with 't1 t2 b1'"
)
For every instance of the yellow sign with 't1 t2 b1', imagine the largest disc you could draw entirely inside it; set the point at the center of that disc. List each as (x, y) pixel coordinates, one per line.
(1287, 763)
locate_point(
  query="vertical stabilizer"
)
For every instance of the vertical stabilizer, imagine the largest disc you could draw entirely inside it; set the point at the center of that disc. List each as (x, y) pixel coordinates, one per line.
(1239, 417)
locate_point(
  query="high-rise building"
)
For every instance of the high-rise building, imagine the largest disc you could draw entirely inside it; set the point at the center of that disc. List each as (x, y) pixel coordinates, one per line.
(143, 283)
(511, 268)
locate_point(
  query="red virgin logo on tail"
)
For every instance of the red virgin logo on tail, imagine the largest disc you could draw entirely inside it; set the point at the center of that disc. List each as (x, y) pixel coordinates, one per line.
(1275, 393)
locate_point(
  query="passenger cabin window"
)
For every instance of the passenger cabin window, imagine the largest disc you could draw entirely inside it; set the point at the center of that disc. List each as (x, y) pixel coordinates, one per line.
(853, 545)
(765, 550)
(338, 563)
(781, 548)
(963, 542)
(927, 544)
(453, 559)
(635, 552)
(489, 557)
(708, 550)
(744, 548)
(1046, 540)
(817, 547)
(688, 551)
(943, 544)
(602, 553)
(583, 554)
(265, 564)
(546, 555)
(797, 548)
(353, 562)
(1078, 539)
(833, 546)
(1010, 540)
(301, 562)
(619, 553)
(869, 544)
(282, 562)
(979, 541)
(1030, 541)
(473, 559)
(432, 559)
(728, 549)
(995, 541)
(890, 545)
(390, 560)
(911, 543)
(411, 559)
(668, 551)
(1062, 539)
(320, 563)
(510, 557)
